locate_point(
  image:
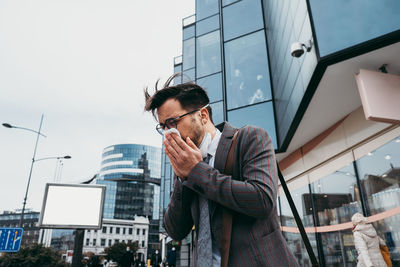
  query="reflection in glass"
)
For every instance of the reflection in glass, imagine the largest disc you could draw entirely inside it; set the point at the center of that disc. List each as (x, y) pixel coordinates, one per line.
(213, 86)
(379, 172)
(340, 24)
(336, 198)
(247, 72)
(208, 57)
(188, 32)
(261, 115)
(206, 8)
(188, 54)
(217, 112)
(296, 245)
(251, 19)
(207, 25)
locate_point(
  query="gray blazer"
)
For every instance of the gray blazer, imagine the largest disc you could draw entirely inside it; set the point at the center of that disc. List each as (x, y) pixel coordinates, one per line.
(251, 193)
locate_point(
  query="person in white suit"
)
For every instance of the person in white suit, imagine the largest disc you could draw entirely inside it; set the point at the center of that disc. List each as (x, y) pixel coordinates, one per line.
(367, 242)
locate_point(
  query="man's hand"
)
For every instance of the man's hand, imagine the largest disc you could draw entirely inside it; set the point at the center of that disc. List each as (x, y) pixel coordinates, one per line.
(183, 156)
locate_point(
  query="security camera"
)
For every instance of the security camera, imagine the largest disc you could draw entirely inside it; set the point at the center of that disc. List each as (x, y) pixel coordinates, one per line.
(297, 49)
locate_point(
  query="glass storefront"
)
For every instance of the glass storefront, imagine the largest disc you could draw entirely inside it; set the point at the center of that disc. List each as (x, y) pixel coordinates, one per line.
(369, 185)
(336, 198)
(379, 173)
(294, 240)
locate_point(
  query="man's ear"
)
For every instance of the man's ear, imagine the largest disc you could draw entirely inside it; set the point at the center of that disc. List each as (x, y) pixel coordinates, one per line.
(204, 115)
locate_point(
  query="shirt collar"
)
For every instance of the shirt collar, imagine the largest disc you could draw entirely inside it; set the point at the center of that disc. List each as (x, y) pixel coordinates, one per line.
(212, 148)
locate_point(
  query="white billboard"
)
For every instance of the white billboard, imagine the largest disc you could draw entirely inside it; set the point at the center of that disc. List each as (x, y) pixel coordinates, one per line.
(74, 206)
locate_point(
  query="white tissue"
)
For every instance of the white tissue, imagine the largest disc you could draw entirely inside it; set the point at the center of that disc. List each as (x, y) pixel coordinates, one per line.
(172, 130)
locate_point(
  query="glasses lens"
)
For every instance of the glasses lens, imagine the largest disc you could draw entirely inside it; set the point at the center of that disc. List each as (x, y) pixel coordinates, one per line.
(170, 123)
(160, 129)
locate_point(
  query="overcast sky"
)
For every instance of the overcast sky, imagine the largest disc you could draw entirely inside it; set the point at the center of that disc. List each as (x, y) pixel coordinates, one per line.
(83, 64)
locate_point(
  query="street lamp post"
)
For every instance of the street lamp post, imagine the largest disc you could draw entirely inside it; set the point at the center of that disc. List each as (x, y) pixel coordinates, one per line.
(33, 161)
(58, 160)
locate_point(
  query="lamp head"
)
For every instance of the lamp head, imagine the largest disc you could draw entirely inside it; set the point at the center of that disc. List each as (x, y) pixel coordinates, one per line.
(67, 157)
(7, 125)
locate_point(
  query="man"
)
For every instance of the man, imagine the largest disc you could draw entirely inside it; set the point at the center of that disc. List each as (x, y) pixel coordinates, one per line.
(203, 193)
(127, 258)
(171, 257)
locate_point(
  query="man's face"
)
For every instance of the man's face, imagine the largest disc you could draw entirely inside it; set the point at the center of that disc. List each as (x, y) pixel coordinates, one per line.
(188, 126)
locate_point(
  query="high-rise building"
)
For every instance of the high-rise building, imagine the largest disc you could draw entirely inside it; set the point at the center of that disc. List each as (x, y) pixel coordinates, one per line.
(322, 77)
(131, 174)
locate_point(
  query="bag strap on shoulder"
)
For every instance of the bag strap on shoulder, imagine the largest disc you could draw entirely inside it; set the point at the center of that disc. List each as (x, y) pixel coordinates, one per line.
(227, 214)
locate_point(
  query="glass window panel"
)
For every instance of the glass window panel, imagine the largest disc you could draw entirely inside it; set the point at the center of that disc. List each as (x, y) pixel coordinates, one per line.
(178, 69)
(340, 24)
(208, 57)
(213, 86)
(294, 240)
(336, 198)
(188, 75)
(217, 112)
(206, 8)
(188, 32)
(247, 73)
(380, 174)
(380, 181)
(188, 54)
(241, 18)
(227, 2)
(207, 25)
(261, 115)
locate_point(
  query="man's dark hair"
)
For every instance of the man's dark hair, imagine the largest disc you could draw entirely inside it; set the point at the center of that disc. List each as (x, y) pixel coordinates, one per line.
(190, 96)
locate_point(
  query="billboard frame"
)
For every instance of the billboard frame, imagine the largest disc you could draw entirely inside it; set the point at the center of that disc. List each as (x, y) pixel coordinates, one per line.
(74, 226)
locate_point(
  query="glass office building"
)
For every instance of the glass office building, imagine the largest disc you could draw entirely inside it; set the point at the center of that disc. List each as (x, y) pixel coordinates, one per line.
(289, 66)
(131, 174)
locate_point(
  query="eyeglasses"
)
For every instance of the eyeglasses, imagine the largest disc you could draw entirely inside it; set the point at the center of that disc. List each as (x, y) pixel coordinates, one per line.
(173, 122)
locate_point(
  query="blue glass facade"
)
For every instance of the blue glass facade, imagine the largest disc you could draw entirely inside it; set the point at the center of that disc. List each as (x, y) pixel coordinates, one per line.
(229, 59)
(341, 24)
(287, 22)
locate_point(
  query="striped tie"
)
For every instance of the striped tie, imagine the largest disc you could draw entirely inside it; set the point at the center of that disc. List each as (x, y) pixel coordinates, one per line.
(204, 244)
